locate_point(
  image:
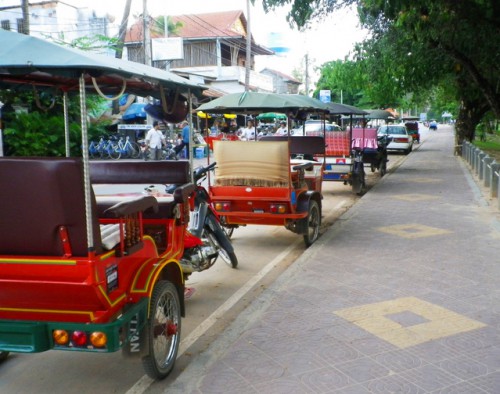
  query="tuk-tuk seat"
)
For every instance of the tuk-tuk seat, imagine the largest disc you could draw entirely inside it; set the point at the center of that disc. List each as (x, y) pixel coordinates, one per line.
(254, 164)
(42, 199)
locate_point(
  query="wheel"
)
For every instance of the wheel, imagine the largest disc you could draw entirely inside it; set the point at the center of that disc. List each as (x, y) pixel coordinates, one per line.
(163, 330)
(3, 355)
(114, 152)
(372, 167)
(225, 248)
(313, 223)
(134, 150)
(358, 182)
(383, 167)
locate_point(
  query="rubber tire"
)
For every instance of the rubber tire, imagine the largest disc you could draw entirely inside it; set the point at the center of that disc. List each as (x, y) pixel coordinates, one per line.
(383, 167)
(3, 355)
(158, 366)
(314, 218)
(358, 185)
(114, 153)
(225, 245)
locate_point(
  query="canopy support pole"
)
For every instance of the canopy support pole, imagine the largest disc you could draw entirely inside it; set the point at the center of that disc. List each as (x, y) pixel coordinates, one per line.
(190, 146)
(66, 123)
(86, 171)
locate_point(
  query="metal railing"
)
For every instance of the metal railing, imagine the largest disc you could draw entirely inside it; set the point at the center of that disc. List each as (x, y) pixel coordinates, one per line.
(485, 167)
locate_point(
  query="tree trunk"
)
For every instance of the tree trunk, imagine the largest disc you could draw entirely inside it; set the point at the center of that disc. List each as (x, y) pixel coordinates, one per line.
(469, 115)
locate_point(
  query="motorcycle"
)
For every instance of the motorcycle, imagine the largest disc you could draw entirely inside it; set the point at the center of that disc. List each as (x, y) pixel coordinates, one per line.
(206, 240)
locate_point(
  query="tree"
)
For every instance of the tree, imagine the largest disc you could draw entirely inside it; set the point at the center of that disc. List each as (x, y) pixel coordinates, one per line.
(430, 41)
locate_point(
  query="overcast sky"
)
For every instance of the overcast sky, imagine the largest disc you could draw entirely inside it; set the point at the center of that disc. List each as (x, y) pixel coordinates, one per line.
(327, 40)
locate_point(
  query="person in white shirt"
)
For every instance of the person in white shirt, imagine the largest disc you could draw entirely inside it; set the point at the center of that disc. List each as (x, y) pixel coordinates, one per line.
(282, 130)
(155, 140)
(248, 133)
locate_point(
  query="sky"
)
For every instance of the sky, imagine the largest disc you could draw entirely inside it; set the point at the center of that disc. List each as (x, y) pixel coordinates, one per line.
(329, 39)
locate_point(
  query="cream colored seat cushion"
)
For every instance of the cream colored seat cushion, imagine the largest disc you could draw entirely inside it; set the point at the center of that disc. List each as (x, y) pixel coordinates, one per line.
(241, 163)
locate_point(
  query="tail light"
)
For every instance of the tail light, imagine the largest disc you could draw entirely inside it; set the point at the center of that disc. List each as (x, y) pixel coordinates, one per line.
(400, 140)
(222, 206)
(79, 338)
(96, 339)
(277, 208)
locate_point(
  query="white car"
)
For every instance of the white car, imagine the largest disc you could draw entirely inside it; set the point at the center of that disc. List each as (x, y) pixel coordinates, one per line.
(315, 127)
(400, 139)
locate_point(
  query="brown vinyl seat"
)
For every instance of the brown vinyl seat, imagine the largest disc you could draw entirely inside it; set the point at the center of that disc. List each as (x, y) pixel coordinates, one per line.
(37, 197)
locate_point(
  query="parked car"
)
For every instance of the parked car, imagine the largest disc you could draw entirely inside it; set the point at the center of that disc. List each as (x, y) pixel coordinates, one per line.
(400, 139)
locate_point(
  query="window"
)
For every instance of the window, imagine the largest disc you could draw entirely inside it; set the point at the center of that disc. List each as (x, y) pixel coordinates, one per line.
(20, 25)
(6, 24)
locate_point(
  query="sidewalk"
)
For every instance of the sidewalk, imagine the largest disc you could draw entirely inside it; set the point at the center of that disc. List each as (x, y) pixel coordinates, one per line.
(400, 295)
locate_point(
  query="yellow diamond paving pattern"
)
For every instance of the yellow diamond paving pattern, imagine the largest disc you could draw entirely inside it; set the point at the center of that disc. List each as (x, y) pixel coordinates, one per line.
(415, 197)
(441, 321)
(413, 230)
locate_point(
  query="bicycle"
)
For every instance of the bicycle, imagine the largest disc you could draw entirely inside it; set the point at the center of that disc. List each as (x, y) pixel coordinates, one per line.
(128, 149)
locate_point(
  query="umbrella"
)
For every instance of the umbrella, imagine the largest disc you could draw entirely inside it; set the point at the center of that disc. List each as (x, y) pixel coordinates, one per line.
(271, 116)
(379, 114)
(203, 115)
(254, 103)
(135, 111)
(43, 63)
(344, 109)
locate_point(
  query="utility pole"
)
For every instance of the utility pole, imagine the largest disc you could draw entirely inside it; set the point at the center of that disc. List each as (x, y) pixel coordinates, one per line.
(146, 33)
(248, 60)
(26, 17)
(307, 74)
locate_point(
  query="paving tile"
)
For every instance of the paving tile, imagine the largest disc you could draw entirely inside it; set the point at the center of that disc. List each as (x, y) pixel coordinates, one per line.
(355, 389)
(283, 385)
(299, 362)
(398, 360)
(325, 380)
(371, 345)
(363, 369)
(433, 351)
(224, 382)
(463, 367)
(337, 352)
(489, 356)
(429, 377)
(460, 388)
(262, 369)
(489, 383)
(392, 384)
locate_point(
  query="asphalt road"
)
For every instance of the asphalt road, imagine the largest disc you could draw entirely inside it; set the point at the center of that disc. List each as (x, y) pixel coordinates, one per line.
(220, 294)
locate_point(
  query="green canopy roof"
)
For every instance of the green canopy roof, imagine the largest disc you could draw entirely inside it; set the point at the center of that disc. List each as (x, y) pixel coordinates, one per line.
(255, 103)
(42, 63)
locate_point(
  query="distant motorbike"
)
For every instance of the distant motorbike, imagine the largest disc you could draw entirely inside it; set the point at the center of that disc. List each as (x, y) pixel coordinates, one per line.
(206, 239)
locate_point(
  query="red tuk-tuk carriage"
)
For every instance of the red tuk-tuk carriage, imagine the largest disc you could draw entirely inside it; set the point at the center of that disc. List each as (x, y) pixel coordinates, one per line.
(81, 272)
(274, 180)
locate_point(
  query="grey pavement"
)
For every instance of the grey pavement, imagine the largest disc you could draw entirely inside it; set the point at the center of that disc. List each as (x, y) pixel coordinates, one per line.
(400, 295)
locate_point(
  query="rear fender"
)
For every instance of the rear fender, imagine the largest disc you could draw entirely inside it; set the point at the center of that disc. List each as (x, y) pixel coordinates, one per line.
(303, 206)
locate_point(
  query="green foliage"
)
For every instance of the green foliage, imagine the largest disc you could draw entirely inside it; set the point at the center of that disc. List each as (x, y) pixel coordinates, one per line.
(418, 45)
(158, 26)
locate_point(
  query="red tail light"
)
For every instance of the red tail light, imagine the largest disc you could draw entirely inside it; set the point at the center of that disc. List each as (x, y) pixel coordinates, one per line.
(79, 338)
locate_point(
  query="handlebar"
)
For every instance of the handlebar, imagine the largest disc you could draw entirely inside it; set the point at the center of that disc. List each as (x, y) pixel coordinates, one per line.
(198, 173)
(201, 171)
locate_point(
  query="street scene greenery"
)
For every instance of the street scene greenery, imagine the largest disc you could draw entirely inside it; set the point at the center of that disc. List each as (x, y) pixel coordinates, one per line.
(431, 56)
(440, 55)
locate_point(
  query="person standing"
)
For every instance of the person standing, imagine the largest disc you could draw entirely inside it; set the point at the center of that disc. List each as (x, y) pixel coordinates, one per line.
(185, 139)
(248, 133)
(155, 140)
(282, 130)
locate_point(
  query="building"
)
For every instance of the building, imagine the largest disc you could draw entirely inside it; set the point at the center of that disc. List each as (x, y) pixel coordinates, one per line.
(53, 19)
(214, 50)
(282, 83)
